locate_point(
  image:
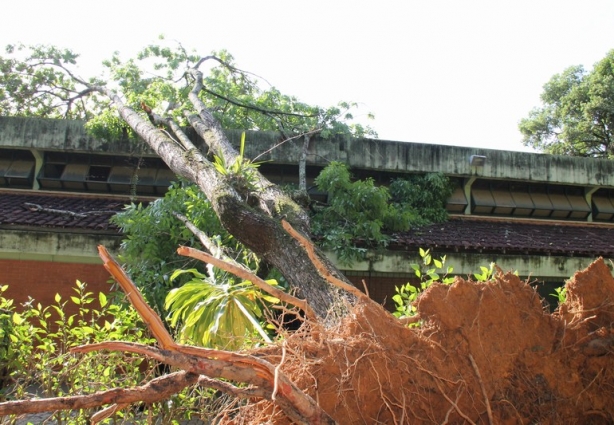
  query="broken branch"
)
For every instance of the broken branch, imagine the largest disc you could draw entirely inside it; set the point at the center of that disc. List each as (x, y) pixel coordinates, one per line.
(305, 243)
(149, 316)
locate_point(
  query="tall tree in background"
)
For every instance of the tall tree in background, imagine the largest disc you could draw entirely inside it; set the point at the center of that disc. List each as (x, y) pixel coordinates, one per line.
(577, 115)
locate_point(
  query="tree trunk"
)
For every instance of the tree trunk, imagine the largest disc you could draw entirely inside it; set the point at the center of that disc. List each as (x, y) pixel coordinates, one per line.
(254, 224)
(302, 165)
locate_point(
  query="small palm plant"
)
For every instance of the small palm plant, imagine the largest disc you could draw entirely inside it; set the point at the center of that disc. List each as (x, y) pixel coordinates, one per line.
(224, 314)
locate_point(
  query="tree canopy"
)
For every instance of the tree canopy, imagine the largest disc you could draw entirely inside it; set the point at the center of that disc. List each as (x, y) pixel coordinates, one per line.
(577, 113)
(43, 81)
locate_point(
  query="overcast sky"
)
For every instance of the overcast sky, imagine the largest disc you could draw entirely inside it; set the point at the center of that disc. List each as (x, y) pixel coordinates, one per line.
(437, 71)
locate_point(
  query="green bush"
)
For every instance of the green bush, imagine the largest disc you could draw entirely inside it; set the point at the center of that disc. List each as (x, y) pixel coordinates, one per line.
(361, 215)
(432, 270)
(35, 358)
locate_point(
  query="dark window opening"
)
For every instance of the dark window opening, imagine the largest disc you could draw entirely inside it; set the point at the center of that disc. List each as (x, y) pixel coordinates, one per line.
(98, 173)
(53, 171)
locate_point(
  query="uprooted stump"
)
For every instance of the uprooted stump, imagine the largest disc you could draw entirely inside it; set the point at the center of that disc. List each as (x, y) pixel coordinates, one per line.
(485, 353)
(482, 353)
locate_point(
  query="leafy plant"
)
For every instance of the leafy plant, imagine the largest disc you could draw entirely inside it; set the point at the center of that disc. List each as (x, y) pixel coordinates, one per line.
(218, 313)
(560, 293)
(35, 357)
(487, 273)
(361, 215)
(153, 233)
(428, 272)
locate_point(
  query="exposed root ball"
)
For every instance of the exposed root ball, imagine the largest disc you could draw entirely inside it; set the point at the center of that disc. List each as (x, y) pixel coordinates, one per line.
(485, 353)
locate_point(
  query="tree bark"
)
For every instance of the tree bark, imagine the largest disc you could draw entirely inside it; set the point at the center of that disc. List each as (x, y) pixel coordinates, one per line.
(302, 165)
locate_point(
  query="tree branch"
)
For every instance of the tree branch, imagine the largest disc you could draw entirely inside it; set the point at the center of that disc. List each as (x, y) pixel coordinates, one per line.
(320, 266)
(155, 390)
(151, 319)
(257, 108)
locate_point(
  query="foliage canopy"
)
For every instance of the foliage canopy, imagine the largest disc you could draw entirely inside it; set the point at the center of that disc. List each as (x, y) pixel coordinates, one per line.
(577, 113)
(42, 81)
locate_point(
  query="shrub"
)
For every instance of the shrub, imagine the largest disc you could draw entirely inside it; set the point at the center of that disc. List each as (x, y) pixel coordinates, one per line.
(35, 358)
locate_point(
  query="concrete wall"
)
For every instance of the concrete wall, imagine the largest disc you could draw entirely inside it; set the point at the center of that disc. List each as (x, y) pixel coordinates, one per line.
(465, 264)
(405, 157)
(55, 246)
(57, 135)
(368, 154)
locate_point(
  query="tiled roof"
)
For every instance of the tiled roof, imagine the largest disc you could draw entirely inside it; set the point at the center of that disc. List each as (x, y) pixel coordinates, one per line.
(459, 234)
(482, 234)
(59, 211)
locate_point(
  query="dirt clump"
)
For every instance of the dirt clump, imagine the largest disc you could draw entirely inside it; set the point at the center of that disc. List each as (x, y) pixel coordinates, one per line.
(484, 353)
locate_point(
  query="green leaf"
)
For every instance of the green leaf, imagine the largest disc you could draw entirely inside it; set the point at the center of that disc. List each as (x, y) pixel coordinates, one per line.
(18, 318)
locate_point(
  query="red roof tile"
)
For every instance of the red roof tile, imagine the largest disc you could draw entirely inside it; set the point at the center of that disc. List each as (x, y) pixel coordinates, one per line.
(59, 211)
(483, 234)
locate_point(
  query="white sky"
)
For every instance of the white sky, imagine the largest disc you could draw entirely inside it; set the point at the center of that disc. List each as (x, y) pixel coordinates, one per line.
(433, 71)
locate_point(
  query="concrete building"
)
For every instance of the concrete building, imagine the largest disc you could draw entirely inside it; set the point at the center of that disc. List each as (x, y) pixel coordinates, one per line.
(542, 216)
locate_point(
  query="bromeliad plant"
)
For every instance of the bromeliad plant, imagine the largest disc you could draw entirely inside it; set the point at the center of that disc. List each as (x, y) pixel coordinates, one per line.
(241, 173)
(429, 272)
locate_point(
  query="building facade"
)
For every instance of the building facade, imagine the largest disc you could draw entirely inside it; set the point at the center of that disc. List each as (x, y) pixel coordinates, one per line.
(541, 216)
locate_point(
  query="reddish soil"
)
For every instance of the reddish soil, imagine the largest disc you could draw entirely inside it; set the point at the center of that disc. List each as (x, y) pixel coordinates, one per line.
(485, 353)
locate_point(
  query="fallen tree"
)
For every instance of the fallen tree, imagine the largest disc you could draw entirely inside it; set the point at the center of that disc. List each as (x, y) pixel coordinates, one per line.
(483, 352)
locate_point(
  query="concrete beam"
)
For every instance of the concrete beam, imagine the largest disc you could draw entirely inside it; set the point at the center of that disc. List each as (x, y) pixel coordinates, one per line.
(55, 246)
(466, 264)
(405, 157)
(58, 135)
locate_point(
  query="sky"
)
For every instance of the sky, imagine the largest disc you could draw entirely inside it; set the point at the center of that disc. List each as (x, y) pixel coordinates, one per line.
(439, 71)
